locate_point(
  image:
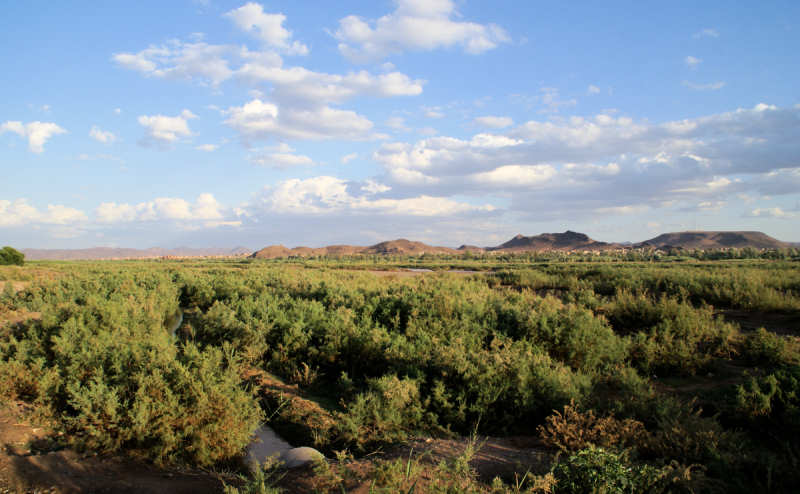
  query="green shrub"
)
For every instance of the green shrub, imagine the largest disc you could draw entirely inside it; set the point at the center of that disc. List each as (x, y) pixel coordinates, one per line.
(596, 470)
(11, 256)
(763, 347)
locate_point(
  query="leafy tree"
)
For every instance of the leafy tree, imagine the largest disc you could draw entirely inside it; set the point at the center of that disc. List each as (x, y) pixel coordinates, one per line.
(11, 256)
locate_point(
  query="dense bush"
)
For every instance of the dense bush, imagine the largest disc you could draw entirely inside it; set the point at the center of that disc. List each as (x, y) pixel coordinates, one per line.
(596, 470)
(619, 346)
(10, 256)
(101, 362)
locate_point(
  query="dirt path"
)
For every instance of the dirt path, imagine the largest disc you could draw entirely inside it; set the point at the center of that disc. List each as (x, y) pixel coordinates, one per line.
(28, 464)
(783, 323)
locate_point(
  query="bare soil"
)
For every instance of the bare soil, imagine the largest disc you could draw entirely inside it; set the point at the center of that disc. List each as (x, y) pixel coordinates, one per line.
(784, 323)
(32, 462)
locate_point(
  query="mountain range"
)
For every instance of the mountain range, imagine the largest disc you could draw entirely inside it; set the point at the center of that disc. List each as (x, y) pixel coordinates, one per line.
(563, 242)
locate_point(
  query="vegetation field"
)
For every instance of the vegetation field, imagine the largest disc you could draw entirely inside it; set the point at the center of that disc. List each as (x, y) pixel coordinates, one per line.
(629, 374)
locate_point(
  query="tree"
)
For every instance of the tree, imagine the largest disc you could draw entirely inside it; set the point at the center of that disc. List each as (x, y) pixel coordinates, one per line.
(9, 256)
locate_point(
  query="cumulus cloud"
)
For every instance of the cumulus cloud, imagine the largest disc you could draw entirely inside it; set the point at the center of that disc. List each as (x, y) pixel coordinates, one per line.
(178, 60)
(208, 148)
(347, 158)
(20, 213)
(516, 175)
(416, 25)
(205, 208)
(325, 195)
(494, 122)
(252, 19)
(592, 89)
(771, 213)
(37, 133)
(259, 120)
(303, 100)
(281, 160)
(166, 129)
(592, 165)
(100, 135)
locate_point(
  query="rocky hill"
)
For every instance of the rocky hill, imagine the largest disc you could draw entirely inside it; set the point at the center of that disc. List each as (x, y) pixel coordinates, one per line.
(713, 240)
(392, 247)
(566, 241)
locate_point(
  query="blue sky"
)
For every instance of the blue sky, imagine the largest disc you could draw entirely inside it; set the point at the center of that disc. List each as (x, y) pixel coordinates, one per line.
(211, 123)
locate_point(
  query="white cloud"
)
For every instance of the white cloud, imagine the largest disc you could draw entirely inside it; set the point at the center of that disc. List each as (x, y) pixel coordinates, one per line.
(326, 195)
(494, 122)
(167, 129)
(298, 84)
(592, 89)
(347, 158)
(117, 111)
(433, 112)
(208, 148)
(771, 213)
(100, 135)
(37, 133)
(551, 98)
(373, 187)
(251, 18)
(692, 62)
(516, 175)
(623, 210)
(711, 86)
(706, 33)
(397, 123)
(179, 60)
(206, 207)
(281, 160)
(214, 64)
(20, 213)
(581, 165)
(263, 120)
(416, 25)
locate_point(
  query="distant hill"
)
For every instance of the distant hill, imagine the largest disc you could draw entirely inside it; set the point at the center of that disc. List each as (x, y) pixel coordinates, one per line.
(713, 240)
(566, 241)
(397, 247)
(547, 241)
(403, 246)
(98, 253)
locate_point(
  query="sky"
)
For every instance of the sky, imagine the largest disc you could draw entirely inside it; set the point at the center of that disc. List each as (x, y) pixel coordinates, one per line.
(222, 124)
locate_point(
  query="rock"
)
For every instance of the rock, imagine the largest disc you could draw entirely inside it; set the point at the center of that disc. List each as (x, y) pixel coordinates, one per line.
(297, 457)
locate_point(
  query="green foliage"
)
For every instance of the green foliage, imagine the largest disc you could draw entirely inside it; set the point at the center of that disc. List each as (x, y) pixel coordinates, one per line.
(377, 359)
(101, 362)
(596, 470)
(763, 347)
(10, 256)
(669, 336)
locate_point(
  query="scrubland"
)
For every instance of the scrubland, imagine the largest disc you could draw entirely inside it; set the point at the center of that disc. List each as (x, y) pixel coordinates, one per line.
(633, 375)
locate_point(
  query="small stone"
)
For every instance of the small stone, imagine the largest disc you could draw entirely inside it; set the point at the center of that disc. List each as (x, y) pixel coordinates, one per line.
(297, 457)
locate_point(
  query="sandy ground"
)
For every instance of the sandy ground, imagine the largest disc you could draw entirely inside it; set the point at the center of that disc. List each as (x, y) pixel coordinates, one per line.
(30, 461)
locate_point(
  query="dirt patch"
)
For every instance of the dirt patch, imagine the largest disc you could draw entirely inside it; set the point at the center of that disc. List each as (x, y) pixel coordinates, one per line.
(11, 318)
(723, 374)
(31, 461)
(502, 457)
(16, 286)
(784, 323)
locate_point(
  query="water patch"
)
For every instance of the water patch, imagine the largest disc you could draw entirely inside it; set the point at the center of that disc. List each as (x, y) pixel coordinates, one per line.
(174, 321)
(267, 443)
